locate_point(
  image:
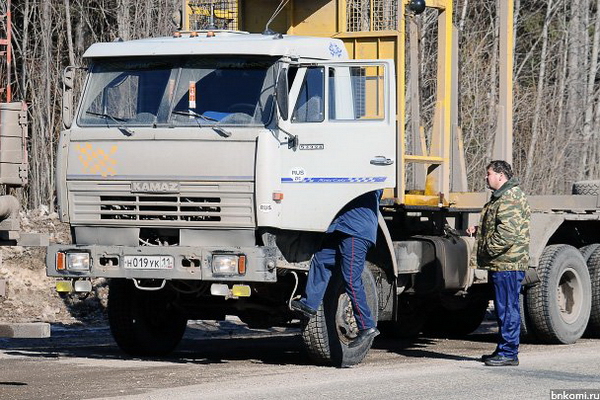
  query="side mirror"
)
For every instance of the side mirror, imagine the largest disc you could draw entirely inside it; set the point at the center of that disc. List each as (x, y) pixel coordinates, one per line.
(281, 93)
(67, 98)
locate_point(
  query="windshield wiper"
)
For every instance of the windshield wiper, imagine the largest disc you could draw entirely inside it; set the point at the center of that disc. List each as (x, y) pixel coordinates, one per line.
(215, 123)
(119, 121)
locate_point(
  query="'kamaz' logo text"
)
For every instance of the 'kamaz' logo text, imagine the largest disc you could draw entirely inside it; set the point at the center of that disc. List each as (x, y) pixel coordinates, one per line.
(155, 187)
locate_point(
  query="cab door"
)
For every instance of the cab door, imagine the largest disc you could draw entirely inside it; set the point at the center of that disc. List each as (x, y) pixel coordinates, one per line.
(343, 117)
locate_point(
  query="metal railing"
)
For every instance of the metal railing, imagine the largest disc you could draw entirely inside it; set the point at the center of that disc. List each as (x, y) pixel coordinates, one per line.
(212, 14)
(371, 15)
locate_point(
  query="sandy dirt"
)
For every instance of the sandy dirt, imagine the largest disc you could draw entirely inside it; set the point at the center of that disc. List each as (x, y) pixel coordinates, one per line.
(30, 294)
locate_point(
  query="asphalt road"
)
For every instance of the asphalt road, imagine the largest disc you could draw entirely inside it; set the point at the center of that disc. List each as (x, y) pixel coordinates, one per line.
(228, 361)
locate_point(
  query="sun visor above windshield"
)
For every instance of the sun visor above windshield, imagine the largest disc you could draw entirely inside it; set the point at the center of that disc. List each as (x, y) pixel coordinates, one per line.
(224, 43)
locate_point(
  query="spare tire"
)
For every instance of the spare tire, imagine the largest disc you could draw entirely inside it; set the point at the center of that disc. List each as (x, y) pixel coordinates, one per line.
(586, 187)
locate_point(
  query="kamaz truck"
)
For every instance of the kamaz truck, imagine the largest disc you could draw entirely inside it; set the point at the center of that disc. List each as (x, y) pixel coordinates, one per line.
(199, 173)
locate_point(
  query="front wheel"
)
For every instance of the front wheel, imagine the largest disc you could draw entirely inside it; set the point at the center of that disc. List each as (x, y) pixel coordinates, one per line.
(327, 335)
(143, 323)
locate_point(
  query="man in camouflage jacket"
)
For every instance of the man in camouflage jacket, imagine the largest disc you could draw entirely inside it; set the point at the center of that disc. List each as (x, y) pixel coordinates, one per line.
(503, 249)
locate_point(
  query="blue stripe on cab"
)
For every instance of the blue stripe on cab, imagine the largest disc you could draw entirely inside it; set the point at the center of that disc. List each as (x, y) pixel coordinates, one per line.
(365, 179)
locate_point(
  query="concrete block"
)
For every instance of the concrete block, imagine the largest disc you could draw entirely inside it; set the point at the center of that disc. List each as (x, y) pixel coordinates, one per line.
(33, 330)
(33, 239)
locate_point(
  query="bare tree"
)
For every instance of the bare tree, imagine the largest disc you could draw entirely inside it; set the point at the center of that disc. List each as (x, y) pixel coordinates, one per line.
(48, 36)
(556, 90)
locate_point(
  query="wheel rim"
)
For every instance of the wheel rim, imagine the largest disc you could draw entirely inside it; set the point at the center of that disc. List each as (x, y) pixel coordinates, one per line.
(345, 323)
(569, 296)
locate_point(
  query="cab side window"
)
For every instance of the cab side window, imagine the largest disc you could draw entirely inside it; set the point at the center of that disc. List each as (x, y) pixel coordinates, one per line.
(310, 104)
(357, 93)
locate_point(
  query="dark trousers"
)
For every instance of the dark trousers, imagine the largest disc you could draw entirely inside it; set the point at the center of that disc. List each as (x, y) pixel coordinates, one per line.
(507, 285)
(349, 254)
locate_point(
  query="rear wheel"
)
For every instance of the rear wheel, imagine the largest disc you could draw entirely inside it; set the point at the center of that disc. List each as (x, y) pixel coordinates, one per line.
(143, 323)
(559, 306)
(586, 251)
(593, 263)
(526, 328)
(327, 335)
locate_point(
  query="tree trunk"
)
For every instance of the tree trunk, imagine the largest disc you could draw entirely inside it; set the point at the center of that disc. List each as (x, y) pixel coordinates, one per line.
(123, 19)
(69, 32)
(590, 99)
(535, 126)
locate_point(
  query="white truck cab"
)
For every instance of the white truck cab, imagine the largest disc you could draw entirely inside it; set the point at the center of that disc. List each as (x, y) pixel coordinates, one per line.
(209, 163)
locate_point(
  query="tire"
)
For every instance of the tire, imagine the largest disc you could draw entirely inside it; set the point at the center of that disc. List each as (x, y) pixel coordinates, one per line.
(593, 328)
(143, 323)
(586, 251)
(559, 306)
(527, 332)
(586, 187)
(456, 317)
(326, 335)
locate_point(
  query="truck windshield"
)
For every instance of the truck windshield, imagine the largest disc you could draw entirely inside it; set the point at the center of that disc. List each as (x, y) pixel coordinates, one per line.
(186, 91)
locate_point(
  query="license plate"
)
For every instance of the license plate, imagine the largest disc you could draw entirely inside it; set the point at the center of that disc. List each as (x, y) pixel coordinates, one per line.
(149, 262)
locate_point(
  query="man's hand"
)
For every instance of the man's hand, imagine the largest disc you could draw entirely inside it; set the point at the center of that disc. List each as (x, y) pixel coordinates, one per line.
(472, 230)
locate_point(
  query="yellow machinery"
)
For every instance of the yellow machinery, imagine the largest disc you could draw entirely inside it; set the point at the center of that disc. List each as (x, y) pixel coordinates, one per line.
(380, 29)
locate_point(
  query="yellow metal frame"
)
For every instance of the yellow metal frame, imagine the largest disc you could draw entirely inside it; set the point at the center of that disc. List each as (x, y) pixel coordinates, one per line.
(187, 12)
(437, 185)
(438, 177)
(329, 17)
(504, 135)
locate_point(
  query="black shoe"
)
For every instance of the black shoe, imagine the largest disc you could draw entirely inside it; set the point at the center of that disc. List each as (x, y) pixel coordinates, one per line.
(501, 361)
(303, 308)
(486, 357)
(364, 335)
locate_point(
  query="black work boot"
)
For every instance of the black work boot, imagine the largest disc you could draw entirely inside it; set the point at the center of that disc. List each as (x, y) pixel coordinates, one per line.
(305, 310)
(502, 361)
(363, 336)
(488, 356)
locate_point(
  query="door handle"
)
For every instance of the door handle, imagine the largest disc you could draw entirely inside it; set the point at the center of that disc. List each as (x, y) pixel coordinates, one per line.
(382, 160)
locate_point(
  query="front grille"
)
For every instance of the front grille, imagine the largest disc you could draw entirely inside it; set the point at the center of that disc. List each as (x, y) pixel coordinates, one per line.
(158, 208)
(220, 204)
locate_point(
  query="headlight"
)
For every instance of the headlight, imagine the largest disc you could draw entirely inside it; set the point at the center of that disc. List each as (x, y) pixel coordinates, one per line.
(73, 261)
(228, 264)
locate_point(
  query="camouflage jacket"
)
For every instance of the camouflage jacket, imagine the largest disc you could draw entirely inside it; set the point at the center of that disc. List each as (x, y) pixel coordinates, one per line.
(503, 234)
